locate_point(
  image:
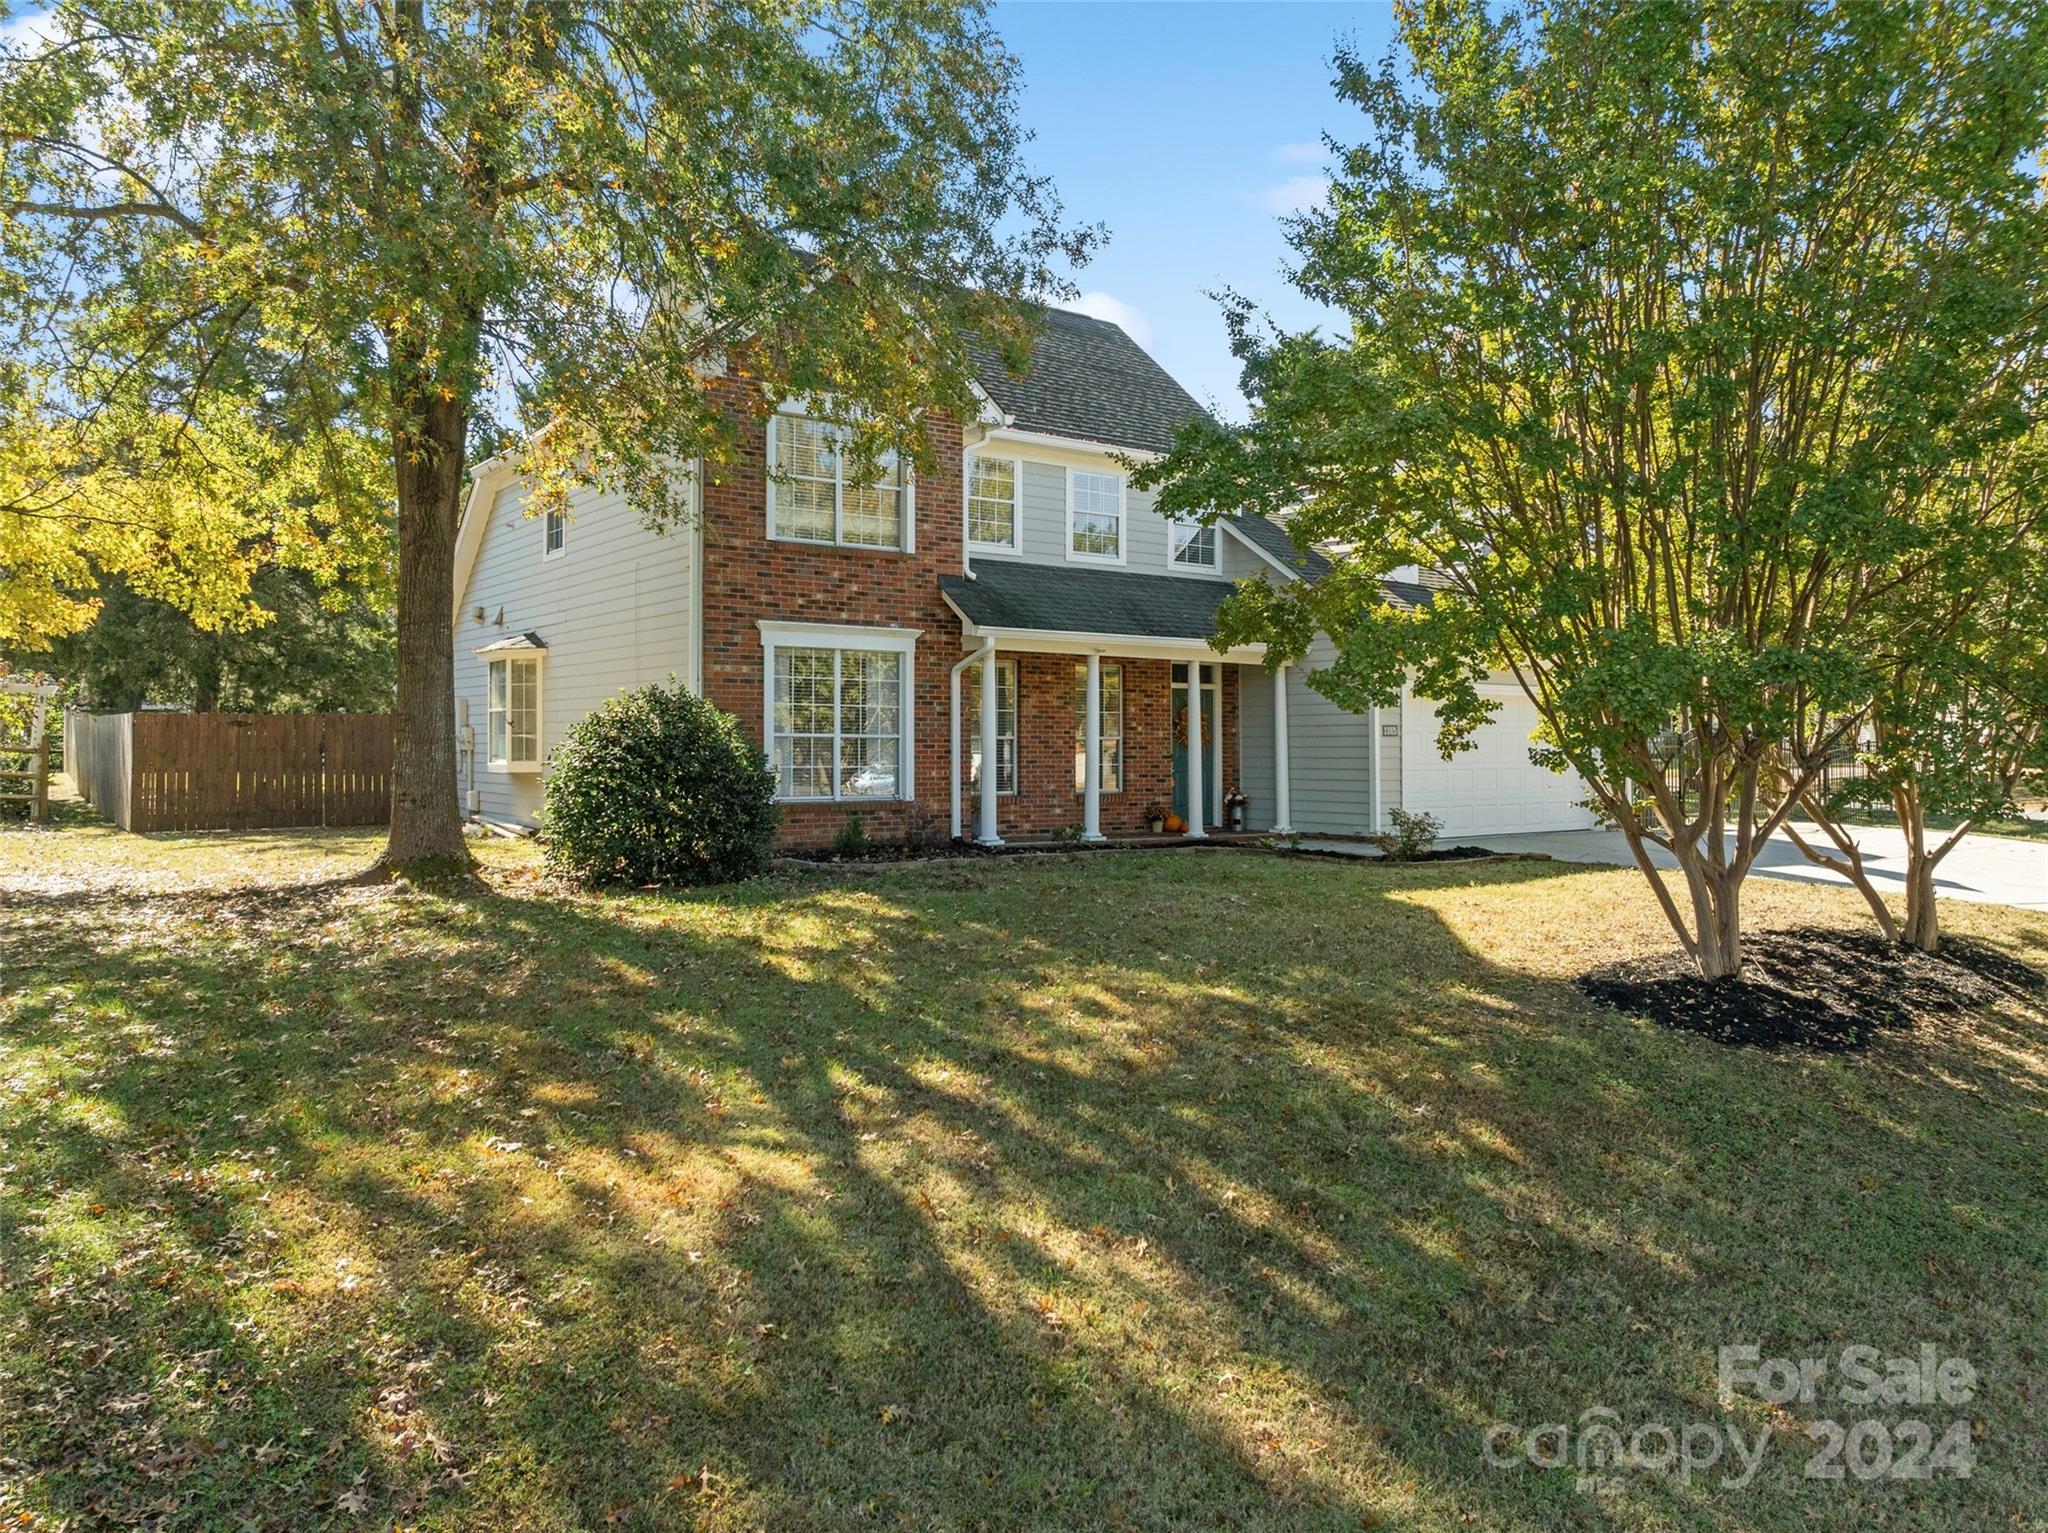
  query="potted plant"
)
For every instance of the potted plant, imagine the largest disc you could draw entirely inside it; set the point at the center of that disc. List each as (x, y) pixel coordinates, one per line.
(1235, 802)
(1155, 816)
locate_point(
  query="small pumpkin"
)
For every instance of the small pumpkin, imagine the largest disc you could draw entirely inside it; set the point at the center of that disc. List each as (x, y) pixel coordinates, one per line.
(1175, 823)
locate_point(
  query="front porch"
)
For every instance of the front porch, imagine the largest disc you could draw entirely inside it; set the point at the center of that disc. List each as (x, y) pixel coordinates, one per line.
(1093, 735)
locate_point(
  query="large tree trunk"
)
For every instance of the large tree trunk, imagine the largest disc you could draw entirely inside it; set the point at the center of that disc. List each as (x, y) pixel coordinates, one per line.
(1923, 921)
(426, 821)
(1716, 913)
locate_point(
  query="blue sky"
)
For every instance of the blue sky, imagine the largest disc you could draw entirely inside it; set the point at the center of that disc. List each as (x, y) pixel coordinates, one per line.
(1187, 129)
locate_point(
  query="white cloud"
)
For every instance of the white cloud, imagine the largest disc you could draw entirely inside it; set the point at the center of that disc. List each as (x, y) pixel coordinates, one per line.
(1116, 311)
(1297, 194)
(1308, 152)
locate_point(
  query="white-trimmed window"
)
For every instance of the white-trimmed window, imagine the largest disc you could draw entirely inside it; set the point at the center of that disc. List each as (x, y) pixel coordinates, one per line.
(1112, 728)
(1095, 515)
(1006, 726)
(994, 488)
(1193, 545)
(512, 714)
(838, 717)
(810, 499)
(554, 536)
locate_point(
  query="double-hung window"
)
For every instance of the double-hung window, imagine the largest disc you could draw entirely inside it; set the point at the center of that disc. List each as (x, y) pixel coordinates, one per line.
(1194, 546)
(992, 492)
(1095, 515)
(512, 714)
(554, 537)
(1112, 728)
(1006, 726)
(812, 500)
(838, 726)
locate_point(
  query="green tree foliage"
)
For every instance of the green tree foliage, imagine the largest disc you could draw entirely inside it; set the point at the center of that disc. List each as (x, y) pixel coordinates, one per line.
(658, 786)
(452, 219)
(1958, 728)
(1665, 324)
(307, 648)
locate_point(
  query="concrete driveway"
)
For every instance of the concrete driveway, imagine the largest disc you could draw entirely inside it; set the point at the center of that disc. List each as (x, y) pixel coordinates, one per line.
(1994, 869)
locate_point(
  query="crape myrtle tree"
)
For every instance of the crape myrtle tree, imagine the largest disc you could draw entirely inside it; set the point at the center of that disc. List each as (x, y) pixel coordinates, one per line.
(1662, 320)
(1958, 727)
(536, 221)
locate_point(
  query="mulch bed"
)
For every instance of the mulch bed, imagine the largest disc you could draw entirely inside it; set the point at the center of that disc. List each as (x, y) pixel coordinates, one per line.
(1814, 988)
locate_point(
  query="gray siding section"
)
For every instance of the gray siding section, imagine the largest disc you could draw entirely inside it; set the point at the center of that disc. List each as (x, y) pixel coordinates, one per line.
(1329, 752)
(614, 608)
(1044, 528)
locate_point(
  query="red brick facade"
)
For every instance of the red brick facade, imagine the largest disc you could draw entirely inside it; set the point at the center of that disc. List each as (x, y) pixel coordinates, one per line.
(749, 578)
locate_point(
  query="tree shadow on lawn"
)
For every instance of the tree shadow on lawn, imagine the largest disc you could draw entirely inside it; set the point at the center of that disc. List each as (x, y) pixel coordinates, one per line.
(1159, 1192)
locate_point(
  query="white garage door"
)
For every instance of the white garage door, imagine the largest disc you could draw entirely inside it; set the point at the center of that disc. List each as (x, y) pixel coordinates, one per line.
(1492, 789)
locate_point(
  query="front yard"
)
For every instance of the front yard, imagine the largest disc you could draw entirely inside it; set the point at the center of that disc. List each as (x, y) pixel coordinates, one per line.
(1144, 1190)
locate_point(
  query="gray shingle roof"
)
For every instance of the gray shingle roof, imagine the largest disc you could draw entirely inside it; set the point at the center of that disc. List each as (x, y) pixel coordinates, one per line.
(1089, 380)
(1052, 598)
(1273, 538)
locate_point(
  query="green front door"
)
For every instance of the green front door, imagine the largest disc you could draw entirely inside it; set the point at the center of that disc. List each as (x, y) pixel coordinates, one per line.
(1212, 791)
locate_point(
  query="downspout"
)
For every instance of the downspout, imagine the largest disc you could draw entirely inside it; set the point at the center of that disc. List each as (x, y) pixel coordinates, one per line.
(965, 662)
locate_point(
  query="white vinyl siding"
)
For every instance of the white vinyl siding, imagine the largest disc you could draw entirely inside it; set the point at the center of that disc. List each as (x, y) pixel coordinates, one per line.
(1006, 726)
(1112, 728)
(810, 499)
(618, 615)
(993, 492)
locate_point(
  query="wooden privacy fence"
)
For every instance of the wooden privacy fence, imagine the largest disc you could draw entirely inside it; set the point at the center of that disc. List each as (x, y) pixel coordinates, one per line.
(232, 771)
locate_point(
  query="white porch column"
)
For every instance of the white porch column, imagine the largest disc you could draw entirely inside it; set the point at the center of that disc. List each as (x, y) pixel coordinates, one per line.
(1091, 737)
(1198, 799)
(987, 835)
(1283, 807)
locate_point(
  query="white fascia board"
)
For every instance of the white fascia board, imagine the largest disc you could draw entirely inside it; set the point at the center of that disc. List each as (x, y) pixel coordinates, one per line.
(486, 480)
(1255, 547)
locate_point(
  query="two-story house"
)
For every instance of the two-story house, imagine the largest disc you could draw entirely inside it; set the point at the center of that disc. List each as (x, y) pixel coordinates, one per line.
(857, 628)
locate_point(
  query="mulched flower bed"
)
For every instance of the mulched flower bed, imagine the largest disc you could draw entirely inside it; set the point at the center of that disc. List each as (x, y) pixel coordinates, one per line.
(1815, 988)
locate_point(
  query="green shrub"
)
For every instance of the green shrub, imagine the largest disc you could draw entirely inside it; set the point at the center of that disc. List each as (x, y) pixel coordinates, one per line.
(1413, 836)
(658, 787)
(852, 840)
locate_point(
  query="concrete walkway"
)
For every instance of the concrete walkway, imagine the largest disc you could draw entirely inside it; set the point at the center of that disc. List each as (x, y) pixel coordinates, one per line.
(1994, 869)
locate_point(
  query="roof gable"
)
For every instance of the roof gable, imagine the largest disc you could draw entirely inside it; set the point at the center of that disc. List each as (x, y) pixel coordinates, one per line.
(1088, 380)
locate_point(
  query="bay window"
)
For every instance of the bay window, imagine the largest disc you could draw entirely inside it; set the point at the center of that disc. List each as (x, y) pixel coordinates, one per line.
(512, 714)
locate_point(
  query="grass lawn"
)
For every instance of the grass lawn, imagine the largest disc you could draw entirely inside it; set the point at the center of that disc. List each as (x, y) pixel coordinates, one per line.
(1146, 1190)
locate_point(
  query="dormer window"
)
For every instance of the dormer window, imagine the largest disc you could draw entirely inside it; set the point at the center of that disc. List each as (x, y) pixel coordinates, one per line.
(1194, 546)
(811, 500)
